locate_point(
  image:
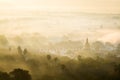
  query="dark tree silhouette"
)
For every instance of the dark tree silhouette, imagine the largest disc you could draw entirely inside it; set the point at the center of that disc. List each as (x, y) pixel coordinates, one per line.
(49, 57)
(19, 50)
(117, 72)
(55, 59)
(63, 66)
(79, 57)
(25, 51)
(4, 76)
(117, 68)
(21, 53)
(19, 74)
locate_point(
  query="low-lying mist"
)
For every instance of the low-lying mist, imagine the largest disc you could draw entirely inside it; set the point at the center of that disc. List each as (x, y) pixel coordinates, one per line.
(61, 47)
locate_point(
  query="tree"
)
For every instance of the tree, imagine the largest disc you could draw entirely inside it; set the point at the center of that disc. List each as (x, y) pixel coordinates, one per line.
(55, 59)
(117, 72)
(49, 57)
(20, 74)
(117, 68)
(25, 51)
(19, 50)
(4, 76)
(79, 57)
(3, 40)
(98, 45)
(118, 48)
(63, 66)
(22, 53)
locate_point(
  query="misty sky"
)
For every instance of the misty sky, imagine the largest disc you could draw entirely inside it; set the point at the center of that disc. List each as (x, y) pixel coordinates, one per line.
(94, 6)
(56, 17)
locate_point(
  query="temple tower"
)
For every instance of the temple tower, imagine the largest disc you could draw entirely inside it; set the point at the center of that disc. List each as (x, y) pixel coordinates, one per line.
(87, 45)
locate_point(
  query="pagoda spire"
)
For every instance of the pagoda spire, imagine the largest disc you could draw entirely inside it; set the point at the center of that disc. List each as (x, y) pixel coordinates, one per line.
(87, 45)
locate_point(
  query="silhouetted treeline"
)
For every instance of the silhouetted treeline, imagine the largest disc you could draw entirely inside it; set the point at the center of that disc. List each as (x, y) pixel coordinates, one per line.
(50, 67)
(46, 66)
(16, 74)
